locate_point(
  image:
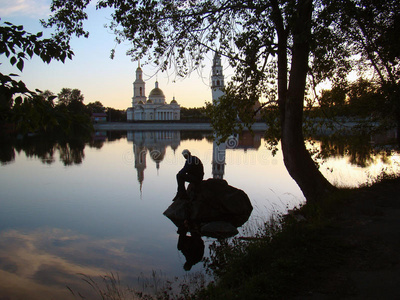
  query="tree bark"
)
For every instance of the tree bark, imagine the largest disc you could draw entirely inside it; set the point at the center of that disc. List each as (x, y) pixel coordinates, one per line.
(296, 158)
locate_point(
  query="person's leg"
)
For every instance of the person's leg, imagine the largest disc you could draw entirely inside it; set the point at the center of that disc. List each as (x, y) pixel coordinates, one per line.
(180, 178)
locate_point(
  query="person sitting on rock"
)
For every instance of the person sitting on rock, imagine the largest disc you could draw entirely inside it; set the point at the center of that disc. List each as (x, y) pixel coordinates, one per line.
(192, 172)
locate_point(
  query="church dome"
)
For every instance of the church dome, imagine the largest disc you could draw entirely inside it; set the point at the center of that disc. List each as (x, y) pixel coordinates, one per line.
(149, 101)
(174, 101)
(156, 92)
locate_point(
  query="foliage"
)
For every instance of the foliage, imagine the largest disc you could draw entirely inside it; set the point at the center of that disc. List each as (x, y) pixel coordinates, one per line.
(276, 265)
(39, 115)
(110, 287)
(195, 114)
(19, 45)
(67, 96)
(116, 115)
(371, 27)
(96, 107)
(179, 33)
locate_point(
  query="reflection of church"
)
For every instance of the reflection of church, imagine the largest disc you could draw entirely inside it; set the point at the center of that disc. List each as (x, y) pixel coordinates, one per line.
(153, 108)
(153, 142)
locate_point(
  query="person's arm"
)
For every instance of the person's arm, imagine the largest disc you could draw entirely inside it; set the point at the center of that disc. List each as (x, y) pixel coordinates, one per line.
(184, 169)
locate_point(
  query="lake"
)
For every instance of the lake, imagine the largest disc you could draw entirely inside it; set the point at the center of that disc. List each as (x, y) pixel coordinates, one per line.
(97, 208)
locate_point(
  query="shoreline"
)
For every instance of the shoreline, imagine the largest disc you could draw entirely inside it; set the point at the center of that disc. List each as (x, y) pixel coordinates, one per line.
(165, 126)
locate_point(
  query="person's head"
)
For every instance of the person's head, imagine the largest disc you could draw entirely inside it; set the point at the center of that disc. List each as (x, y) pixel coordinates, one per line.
(186, 153)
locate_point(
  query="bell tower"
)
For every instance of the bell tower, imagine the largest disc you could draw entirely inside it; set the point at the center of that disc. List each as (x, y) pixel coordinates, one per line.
(217, 78)
(139, 85)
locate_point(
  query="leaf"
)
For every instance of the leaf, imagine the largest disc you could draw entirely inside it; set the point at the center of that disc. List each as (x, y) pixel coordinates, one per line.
(30, 52)
(20, 65)
(13, 60)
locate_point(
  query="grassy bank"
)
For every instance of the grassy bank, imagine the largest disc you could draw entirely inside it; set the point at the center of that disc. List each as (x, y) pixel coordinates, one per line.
(321, 251)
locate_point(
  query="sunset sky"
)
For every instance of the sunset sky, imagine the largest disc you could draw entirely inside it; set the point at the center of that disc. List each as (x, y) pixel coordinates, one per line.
(91, 70)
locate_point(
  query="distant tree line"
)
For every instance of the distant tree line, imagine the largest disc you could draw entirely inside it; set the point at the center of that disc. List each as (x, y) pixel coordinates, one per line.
(195, 114)
(363, 98)
(50, 114)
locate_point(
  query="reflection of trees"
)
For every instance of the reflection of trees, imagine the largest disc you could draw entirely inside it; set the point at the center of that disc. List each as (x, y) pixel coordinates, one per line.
(7, 152)
(193, 135)
(99, 137)
(98, 144)
(71, 151)
(115, 135)
(358, 149)
(37, 146)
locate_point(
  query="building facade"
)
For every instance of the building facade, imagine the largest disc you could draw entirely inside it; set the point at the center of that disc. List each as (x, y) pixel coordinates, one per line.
(153, 108)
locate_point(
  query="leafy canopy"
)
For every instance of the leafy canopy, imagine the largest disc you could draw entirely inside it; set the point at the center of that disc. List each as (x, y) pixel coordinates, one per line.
(18, 45)
(257, 38)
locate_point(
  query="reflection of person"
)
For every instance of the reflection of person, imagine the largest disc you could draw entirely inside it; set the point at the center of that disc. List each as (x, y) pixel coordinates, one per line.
(192, 248)
(192, 172)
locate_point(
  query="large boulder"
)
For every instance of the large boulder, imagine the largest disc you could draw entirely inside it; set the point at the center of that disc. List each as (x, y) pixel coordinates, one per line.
(214, 201)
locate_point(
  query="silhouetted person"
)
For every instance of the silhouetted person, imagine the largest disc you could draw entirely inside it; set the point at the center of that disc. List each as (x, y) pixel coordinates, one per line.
(192, 248)
(192, 172)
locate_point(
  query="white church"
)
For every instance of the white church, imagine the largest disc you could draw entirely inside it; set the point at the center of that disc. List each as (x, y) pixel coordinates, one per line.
(153, 108)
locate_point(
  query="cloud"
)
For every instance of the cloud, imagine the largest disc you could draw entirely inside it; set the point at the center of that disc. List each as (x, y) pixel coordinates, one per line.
(44, 261)
(25, 8)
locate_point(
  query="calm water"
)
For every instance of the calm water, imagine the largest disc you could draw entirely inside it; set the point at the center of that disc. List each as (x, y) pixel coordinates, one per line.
(100, 209)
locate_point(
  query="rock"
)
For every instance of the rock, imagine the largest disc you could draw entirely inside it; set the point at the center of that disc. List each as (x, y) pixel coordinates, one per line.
(216, 201)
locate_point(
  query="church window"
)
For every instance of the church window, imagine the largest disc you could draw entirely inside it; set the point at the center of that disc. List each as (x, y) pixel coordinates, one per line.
(217, 82)
(141, 91)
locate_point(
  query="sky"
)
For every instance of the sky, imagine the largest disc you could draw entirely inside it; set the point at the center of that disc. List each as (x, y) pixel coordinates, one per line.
(91, 70)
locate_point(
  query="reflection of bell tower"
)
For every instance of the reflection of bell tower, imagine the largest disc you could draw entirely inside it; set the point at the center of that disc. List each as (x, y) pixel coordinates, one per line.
(218, 162)
(140, 162)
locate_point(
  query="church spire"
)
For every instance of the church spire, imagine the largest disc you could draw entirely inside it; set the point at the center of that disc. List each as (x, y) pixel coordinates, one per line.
(217, 78)
(139, 85)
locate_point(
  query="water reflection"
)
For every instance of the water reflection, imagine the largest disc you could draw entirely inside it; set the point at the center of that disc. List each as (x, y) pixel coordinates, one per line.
(361, 150)
(70, 206)
(154, 142)
(191, 246)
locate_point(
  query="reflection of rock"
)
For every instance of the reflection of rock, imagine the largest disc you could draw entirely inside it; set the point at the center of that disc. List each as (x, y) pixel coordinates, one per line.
(219, 229)
(218, 207)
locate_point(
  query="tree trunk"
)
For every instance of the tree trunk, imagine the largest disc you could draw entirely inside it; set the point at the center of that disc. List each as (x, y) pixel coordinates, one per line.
(297, 159)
